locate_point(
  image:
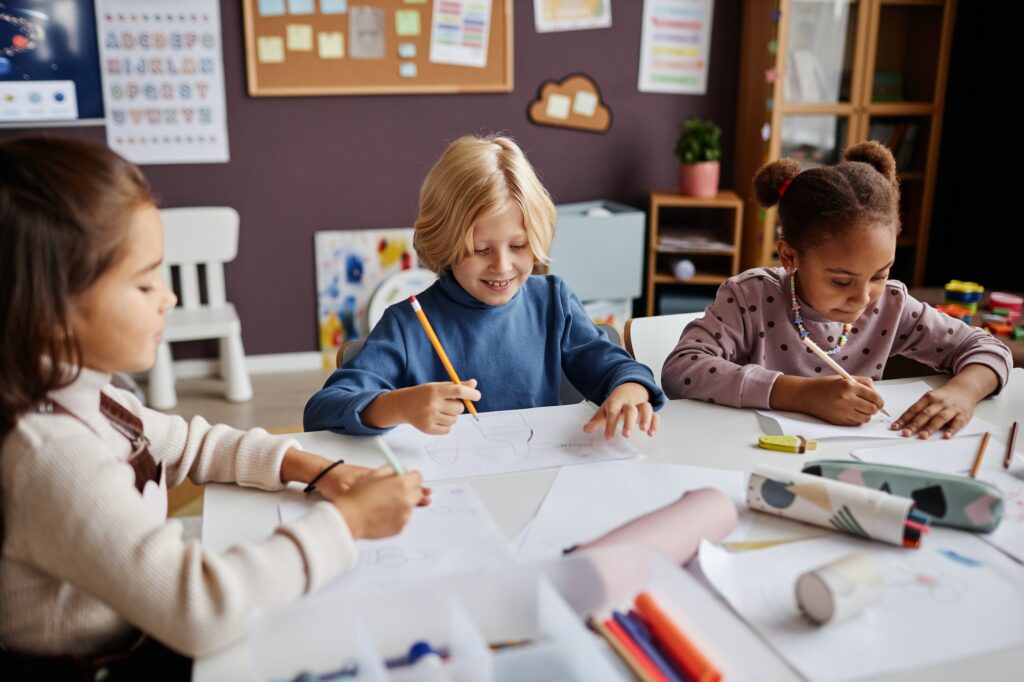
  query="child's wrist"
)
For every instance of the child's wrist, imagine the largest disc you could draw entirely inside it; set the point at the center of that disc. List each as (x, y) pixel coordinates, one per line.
(789, 393)
(353, 516)
(381, 412)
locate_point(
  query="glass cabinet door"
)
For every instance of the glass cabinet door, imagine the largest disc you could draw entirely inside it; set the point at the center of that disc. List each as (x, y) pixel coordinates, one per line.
(907, 58)
(814, 140)
(820, 51)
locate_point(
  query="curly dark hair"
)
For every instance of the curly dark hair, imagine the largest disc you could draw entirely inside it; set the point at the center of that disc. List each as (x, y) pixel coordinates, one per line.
(820, 203)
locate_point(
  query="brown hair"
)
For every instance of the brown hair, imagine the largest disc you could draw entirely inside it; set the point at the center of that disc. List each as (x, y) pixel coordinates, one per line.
(65, 208)
(821, 203)
(477, 177)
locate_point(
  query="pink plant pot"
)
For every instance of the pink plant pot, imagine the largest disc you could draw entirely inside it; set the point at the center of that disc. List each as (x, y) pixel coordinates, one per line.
(699, 179)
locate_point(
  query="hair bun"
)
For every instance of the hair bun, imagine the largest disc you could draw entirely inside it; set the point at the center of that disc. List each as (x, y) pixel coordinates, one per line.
(770, 178)
(876, 155)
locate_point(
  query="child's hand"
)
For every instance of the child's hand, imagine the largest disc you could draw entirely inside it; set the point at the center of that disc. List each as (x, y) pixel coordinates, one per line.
(946, 408)
(378, 505)
(432, 408)
(841, 402)
(341, 478)
(629, 402)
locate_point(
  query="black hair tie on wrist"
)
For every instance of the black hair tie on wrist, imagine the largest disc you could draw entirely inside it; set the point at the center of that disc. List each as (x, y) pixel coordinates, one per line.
(312, 484)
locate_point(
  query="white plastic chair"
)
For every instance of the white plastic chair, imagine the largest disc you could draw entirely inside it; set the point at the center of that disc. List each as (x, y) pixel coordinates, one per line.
(650, 339)
(193, 237)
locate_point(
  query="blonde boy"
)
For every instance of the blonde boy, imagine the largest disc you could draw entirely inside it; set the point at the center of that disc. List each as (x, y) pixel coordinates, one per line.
(485, 226)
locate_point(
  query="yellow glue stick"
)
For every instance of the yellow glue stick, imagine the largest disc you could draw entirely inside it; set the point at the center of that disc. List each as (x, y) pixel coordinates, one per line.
(797, 444)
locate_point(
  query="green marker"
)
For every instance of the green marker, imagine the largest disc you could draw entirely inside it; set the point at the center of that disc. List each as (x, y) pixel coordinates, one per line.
(385, 450)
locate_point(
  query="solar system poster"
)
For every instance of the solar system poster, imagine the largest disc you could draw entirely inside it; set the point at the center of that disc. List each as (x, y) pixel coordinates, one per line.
(49, 62)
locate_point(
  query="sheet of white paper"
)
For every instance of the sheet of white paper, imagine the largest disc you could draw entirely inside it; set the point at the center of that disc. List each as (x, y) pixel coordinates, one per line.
(515, 440)
(586, 502)
(951, 599)
(957, 457)
(898, 397)
(454, 534)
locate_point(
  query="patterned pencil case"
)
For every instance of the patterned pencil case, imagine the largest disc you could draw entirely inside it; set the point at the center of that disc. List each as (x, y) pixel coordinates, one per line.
(955, 501)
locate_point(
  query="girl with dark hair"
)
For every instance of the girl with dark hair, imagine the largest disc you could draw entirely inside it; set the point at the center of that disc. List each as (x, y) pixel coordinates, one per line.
(838, 242)
(93, 577)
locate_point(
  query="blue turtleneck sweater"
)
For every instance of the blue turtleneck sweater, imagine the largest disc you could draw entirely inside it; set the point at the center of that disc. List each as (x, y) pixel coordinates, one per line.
(515, 351)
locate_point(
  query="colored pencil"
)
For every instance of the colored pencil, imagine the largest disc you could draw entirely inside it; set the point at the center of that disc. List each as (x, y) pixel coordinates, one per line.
(624, 653)
(385, 450)
(1009, 448)
(978, 457)
(440, 351)
(640, 635)
(634, 648)
(827, 359)
(678, 646)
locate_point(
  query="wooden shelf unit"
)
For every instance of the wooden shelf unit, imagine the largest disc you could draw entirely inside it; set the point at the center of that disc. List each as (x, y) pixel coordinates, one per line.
(720, 217)
(892, 79)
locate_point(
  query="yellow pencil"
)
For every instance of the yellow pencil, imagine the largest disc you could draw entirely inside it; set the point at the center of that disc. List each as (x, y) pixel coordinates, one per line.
(440, 351)
(827, 359)
(977, 457)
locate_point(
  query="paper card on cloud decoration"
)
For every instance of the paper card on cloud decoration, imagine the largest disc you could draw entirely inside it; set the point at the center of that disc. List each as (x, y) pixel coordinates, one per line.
(574, 102)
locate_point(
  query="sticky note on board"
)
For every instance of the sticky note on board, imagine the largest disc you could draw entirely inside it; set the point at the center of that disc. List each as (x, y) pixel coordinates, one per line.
(584, 103)
(271, 8)
(407, 22)
(333, 6)
(406, 50)
(331, 45)
(300, 37)
(407, 69)
(366, 32)
(558, 106)
(270, 49)
(301, 6)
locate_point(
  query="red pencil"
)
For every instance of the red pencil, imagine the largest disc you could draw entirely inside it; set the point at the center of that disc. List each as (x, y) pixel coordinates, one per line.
(678, 646)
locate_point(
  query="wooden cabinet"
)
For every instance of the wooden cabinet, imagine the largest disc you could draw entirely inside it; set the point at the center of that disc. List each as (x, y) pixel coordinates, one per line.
(819, 75)
(705, 232)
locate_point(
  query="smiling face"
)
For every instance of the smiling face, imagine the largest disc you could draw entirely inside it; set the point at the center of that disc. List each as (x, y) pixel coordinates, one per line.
(843, 276)
(501, 257)
(118, 320)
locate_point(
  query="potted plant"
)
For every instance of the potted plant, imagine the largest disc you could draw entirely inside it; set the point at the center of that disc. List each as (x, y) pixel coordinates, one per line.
(699, 149)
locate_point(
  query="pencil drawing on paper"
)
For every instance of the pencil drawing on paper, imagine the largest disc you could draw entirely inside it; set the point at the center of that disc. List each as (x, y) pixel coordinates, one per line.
(497, 436)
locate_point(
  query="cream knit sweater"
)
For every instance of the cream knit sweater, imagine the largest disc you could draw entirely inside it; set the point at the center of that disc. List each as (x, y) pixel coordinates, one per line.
(85, 561)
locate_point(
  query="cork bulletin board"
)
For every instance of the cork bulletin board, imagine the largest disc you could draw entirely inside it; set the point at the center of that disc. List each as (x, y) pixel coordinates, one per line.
(368, 47)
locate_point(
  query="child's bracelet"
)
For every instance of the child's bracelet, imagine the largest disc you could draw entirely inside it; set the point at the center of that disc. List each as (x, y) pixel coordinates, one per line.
(312, 484)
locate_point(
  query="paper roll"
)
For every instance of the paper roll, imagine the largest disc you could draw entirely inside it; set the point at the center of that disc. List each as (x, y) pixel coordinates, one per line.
(840, 589)
(831, 504)
(676, 529)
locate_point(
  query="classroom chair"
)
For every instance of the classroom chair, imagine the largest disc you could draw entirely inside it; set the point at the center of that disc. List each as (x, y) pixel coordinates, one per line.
(567, 392)
(650, 339)
(197, 243)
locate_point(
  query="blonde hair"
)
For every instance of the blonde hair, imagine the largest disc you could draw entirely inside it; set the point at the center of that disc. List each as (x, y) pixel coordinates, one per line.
(475, 178)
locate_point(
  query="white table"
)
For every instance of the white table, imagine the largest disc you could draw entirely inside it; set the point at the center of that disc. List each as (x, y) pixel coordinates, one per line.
(691, 433)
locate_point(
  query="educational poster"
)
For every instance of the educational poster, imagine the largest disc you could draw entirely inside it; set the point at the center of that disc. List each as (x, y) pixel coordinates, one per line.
(459, 32)
(350, 265)
(571, 15)
(675, 46)
(163, 80)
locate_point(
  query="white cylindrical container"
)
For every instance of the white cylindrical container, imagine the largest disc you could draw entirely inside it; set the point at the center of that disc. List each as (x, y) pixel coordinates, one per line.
(840, 589)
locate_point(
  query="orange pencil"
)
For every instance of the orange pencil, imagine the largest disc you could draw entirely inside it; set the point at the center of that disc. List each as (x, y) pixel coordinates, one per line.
(675, 643)
(440, 351)
(1009, 448)
(621, 649)
(978, 457)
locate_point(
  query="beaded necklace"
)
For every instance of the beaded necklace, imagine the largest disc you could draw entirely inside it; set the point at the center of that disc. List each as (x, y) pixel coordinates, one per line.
(798, 320)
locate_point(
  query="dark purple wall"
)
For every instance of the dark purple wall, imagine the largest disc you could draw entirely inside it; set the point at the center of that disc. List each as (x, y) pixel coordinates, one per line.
(302, 164)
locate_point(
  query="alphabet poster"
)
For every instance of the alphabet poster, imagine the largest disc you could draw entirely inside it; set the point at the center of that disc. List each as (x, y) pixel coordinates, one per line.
(163, 80)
